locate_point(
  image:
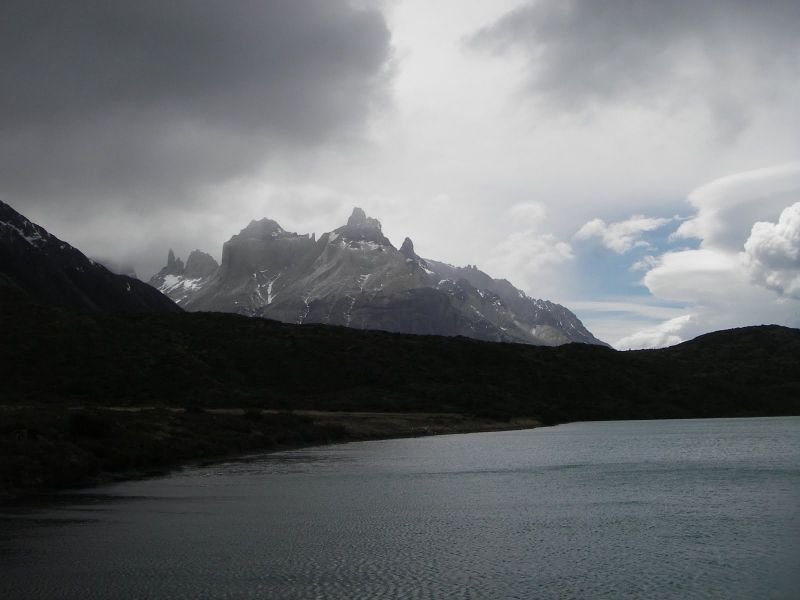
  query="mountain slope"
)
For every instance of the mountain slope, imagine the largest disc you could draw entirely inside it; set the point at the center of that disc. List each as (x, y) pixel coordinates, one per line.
(354, 276)
(53, 272)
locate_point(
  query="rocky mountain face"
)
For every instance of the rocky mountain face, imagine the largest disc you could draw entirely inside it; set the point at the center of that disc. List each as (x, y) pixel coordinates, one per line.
(354, 276)
(51, 271)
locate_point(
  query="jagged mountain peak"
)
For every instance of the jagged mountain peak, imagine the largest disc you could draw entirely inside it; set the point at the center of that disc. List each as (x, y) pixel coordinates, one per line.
(200, 264)
(407, 249)
(261, 229)
(359, 218)
(179, 281)
(361, 228)
(174, 266)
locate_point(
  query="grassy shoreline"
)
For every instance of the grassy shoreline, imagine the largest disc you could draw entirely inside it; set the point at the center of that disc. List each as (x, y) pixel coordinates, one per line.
(47, 448)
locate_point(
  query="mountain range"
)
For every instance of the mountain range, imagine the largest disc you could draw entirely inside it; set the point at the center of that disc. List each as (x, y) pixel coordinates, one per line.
(355, 277)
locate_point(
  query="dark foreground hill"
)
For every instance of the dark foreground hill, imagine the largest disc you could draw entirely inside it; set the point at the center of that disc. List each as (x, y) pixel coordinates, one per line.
(52, 358)
(211, 359)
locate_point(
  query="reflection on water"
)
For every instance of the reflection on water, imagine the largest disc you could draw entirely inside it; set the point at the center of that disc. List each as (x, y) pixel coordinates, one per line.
(668, 509)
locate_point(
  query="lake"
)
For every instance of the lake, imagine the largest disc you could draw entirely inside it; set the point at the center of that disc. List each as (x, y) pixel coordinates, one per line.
(706, 508)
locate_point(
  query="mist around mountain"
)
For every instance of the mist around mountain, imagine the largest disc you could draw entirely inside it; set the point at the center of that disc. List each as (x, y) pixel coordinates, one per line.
(354, 276)
(117, 267)
(54, 272)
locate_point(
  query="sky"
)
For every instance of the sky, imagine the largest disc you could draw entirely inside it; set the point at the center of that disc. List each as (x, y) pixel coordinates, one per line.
(636, 161)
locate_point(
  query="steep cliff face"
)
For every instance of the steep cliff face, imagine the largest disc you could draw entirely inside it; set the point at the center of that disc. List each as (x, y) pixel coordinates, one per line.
(354, 276)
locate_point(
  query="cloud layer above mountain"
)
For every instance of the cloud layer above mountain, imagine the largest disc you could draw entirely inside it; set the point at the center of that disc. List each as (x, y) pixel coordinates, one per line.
(147, 101)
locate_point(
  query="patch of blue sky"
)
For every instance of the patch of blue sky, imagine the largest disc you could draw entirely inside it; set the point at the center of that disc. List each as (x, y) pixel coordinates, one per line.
(602, 273)
(609, 296)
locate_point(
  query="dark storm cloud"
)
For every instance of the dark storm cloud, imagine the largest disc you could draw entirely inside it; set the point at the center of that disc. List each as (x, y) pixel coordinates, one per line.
(583, 53)
(144, 99)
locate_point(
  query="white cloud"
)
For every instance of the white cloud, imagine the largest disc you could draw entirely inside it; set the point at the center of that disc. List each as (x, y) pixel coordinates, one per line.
(728, 207)
(528, 214)
(772, 253)
(622, 236)
(664, 334)
(527, 259)
(685, 275)
(615, 318)
(732, 279)
(645, 263)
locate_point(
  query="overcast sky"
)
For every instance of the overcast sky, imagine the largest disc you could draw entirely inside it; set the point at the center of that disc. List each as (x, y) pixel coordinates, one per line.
(636, 161)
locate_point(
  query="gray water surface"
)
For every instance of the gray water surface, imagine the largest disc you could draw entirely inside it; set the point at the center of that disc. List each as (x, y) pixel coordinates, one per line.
(637, 509)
